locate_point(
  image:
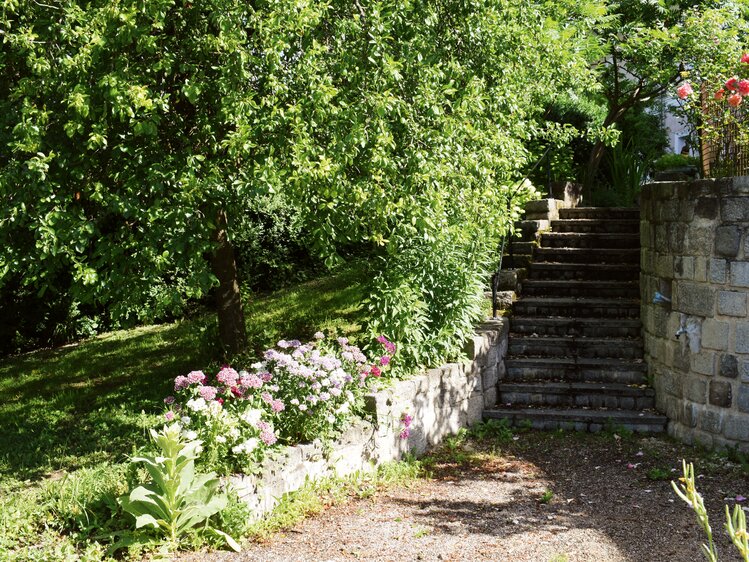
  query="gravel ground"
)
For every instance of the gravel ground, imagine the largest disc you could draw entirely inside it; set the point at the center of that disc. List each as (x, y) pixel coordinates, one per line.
(489, 505)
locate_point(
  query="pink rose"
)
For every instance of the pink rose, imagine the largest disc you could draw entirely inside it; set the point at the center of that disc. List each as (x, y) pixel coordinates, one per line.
(719, 94)
(745, 58)
(744, 87)
(734, 100)
(685, 90)
(732, 83)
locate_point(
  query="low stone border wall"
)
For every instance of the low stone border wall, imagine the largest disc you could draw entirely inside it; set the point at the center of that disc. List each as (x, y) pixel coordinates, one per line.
(441, 402)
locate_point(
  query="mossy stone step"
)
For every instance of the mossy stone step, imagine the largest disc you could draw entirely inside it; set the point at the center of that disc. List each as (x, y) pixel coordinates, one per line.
(579, 419)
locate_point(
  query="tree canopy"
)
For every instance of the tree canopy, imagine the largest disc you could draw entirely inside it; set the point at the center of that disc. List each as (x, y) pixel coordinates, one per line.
(135, 132)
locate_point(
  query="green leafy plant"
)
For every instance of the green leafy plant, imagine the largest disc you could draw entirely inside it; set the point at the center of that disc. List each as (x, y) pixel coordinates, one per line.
(735, 523)
(176, 499)
(546, 497)
(498, 430)
(657, 473)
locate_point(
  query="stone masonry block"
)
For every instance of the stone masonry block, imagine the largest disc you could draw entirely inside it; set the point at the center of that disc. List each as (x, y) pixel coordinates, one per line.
(718, 270)
(697, 391)
(736, 428)
(732, 303)
(703, 363)
(740, 274)
(742, 399)
(690, 414)
(715, 334)
(711, 421)
(694, 298)
(744, 370)
(699, 241)
(706, 208)
(742, 337)
(734, 209)
(727, 239)
(700, 269)
(729, 367)
(490, 377)
(684, 267)
(720, 394)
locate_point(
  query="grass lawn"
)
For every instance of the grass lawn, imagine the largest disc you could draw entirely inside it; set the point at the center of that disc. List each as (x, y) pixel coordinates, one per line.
(91, 402)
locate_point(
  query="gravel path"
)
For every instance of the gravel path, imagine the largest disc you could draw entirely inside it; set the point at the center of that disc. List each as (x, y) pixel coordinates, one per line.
(604, 507)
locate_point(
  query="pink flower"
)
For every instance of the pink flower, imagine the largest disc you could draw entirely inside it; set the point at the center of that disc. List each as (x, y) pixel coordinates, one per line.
(277, 406)
(208, 393)
(196, 377)
(407, 419)
(745, 58)
(181, 382)
(744, 87)
(266, 377)
(405, 433)
(384, 360)
(268, 437)
(169, 415)
(732, 83)
(734, 100)
(685, 90)
(739, 498)
(251, 380)
(389, 346)
(169, 400)
(375, 371)
(719, 94)
(228, 376)
(266, 397)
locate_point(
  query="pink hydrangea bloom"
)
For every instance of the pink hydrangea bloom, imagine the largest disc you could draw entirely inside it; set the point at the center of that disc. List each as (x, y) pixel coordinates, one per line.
(685, 90)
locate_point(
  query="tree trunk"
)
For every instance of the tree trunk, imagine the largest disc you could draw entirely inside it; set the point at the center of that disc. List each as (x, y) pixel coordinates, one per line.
(591, 170)
(231, 326)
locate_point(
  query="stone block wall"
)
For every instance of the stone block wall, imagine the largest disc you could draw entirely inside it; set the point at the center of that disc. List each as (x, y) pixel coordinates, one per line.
(441, 402)
(695, 251)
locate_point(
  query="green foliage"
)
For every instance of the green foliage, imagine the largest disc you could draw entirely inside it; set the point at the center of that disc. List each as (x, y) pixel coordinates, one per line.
(668, 161)
(546, 497)
(657, 473)
(177, 498)
(497, 430)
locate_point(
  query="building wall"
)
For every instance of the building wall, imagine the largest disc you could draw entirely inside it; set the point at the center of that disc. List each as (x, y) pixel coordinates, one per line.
(695, 251)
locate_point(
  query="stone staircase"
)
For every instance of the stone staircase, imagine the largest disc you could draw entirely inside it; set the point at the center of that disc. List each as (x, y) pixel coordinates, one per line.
(575, 358)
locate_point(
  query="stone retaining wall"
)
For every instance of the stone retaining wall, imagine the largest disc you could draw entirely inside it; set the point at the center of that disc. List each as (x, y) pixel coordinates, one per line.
(695, 251)
(441, 401)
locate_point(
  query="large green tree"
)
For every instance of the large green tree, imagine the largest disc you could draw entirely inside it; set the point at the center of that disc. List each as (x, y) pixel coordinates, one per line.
(134, 132)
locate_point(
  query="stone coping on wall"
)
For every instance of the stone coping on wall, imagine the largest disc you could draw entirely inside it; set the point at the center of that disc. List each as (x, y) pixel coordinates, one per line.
(695, 252)
(441, 401)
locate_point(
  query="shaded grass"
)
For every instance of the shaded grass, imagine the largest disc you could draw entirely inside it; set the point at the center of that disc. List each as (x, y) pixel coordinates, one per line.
(91, 402)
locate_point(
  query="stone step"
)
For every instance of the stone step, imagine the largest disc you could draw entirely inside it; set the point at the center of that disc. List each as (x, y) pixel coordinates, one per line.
(580, 419)
(601, 271)
(587, 255)
(554, 346)
(529, 229)
(628, 226)
(577, 288)
(589, 240)
(580, 394)
(576, 307)
(516, 261)
(582, 369)
(603, 213)
(586, 327)
(523, 248)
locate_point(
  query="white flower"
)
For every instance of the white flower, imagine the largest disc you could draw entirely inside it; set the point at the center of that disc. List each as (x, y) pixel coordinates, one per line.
(303, 407)
(319, 336)
(335, 391)
(294, 401)
(190, 435)
(324, 396)
(344, 408)
(325, 382)
(331, 418)
(220, 439)
(250, 445)
(251, 417)
(215, 408)
(185, 420)
(259, 366)
(196, 404)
